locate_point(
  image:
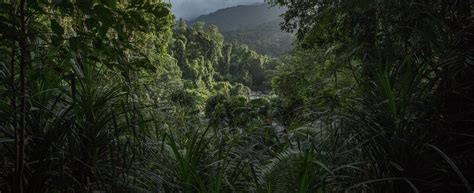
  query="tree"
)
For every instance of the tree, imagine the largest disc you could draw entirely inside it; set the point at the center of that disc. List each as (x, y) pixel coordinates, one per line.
(398, 53)
(57, 107)
(204, 55)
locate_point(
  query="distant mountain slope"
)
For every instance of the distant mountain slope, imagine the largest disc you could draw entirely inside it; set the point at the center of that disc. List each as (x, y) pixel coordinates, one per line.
(255, 25)
(241, 16)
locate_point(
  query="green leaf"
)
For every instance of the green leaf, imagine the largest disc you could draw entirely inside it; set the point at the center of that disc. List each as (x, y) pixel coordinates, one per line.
(162, 12)
(6, 140)
(109, 3)
(7, 28)
(4, 107)
(74, 43)
(85, 6)
(454, 167)
(56, 27)
(92, 23)
(104, 15)
(137, 18)
(56, 40)
(6, 8)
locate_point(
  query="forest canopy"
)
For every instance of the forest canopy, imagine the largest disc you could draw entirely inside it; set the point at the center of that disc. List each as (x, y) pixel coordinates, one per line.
(121, 96)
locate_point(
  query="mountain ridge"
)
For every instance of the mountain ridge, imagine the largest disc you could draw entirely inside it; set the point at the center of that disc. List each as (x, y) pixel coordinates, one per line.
(256, 25)
(240, 16)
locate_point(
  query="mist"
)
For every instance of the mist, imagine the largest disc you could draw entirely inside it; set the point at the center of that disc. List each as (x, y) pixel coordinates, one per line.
(190, 9)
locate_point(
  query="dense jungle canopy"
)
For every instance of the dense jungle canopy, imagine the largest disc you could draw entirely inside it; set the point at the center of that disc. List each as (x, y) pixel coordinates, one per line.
(121, 96)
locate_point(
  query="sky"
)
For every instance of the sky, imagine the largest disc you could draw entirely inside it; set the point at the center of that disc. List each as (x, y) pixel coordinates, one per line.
(190, 9)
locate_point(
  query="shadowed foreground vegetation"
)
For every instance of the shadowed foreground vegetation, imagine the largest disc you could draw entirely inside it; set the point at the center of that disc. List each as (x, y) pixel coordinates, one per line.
(113, 96)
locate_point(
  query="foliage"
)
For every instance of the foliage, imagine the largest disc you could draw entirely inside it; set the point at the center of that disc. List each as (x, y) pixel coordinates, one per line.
(255, 25)
(70, 121)
(205, 58)
(107, 96)
(397, 56)
(266, 38)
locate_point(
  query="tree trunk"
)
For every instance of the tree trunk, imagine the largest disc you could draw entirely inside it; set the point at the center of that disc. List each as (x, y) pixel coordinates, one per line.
(20, 140)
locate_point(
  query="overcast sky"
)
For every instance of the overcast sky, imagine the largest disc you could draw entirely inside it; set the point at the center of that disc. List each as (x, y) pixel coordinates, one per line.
(190, 9)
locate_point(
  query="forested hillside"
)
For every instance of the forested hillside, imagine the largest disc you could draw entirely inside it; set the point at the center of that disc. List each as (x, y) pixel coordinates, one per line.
(207, 60)
(254, 25)
(120, 96)
(242, 16)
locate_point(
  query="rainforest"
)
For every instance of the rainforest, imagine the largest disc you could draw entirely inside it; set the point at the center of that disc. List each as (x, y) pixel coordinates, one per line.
(281, 96)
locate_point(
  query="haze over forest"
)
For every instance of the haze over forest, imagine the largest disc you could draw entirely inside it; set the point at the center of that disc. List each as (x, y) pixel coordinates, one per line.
(190, 9)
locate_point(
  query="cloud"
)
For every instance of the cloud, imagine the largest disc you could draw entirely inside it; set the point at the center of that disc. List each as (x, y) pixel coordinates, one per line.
(190, 9)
